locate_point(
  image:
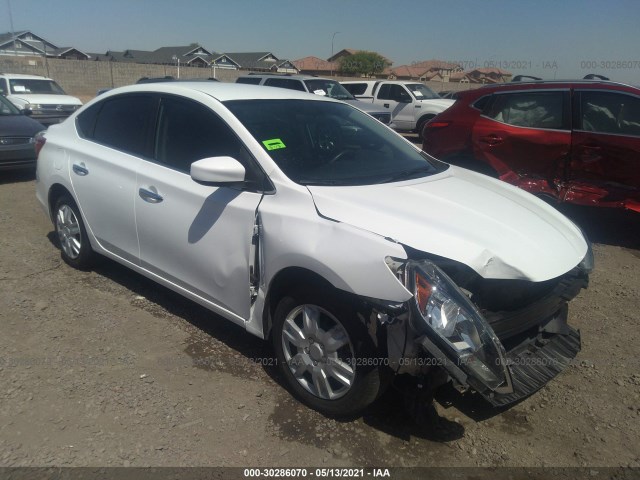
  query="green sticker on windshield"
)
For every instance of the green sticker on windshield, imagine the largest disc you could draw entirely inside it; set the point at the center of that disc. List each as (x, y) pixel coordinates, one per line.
(273, 144)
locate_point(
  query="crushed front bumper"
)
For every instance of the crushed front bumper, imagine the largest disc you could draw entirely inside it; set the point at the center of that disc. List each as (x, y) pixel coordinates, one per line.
(530, 366)
(533, 365)
(535, 342)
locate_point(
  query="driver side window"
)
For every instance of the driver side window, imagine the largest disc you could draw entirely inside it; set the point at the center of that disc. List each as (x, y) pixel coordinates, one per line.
(188, 131)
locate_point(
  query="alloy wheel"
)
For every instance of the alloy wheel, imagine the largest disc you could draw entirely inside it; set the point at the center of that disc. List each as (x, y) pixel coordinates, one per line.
(68, 228)
(318, 352)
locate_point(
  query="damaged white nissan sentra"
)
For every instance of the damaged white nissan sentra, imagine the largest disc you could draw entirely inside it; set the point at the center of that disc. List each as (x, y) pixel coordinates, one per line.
(310, 223)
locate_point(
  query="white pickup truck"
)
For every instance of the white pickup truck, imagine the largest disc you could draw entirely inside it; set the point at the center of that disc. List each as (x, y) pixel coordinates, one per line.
(412, 104)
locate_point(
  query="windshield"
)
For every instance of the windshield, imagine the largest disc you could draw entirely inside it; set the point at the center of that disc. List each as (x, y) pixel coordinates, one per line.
(35, 86)
(330, 88)
(422, 92)
(330, 143)
(7, 108)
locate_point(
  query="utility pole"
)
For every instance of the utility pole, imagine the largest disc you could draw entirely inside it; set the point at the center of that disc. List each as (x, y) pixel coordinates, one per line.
(13, 32)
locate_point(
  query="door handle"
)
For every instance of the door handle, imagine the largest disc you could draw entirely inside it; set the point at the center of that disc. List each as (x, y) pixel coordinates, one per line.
(80, 169)
(385, 105)
(591, 147)
(492, 139)
(149, 196)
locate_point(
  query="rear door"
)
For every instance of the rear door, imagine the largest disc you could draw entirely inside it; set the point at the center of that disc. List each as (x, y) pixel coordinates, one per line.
(605, 161)
(526, 137)
(116, 134)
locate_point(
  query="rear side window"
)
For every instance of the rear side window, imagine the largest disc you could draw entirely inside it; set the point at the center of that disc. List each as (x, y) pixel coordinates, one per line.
(355, 88)
(532, 110)
(482, 102)
(124, 123)
(609, 112)
(289, 83)
(249, 80)
(86, 121)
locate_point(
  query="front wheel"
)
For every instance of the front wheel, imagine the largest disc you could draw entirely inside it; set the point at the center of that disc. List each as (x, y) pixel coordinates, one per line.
(326, 354)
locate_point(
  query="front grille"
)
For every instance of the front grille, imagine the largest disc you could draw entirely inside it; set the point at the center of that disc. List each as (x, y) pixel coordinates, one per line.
(15, 140)
(508, 323)
(46, 109)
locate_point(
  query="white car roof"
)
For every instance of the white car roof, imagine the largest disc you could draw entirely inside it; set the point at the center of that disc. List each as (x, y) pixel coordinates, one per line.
(221, 91)
(19, 75)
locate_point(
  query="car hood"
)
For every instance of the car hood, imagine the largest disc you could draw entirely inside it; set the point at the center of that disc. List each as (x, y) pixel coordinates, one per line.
(44, 98)
(443, 103)
(19, 126)
(496, 229)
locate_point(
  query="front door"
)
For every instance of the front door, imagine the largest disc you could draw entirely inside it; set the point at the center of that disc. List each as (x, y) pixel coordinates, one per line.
(397, 99)
(196, 236)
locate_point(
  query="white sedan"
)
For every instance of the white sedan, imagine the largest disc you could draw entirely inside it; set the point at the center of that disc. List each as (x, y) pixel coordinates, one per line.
(313, 225)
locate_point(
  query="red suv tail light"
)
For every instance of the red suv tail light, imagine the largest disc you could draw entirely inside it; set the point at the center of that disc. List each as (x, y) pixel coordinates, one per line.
(39, 140)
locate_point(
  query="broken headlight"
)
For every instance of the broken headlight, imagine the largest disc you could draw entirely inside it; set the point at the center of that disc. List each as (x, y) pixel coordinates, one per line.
(460, 329)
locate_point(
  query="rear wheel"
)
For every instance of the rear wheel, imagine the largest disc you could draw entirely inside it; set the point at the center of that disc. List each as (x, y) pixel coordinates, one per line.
(74, 243)
(326, 354)
(421, 123)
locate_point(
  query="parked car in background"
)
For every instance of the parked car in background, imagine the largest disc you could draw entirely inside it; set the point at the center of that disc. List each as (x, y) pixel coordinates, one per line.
(17, 137)
(412, 104)
(571, 141)
(309, 223)
(319, 86)
(42, 96)
(169, 78)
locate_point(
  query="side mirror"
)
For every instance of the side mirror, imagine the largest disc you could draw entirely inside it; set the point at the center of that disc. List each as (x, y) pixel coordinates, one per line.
(404, 98)
(26, 112)
(217, 170)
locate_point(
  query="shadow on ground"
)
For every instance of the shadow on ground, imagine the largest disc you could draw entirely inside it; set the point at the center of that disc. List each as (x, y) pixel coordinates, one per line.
(15, 176)
(388, 414)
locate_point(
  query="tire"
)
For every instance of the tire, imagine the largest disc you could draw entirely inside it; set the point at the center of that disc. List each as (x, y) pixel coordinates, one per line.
(350, 384)
(421, 123)
(75, 248)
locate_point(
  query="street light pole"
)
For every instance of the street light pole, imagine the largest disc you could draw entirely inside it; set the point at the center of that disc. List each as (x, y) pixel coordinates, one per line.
(332, 38)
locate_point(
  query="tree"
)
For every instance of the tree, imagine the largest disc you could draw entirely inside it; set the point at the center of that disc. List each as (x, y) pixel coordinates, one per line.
(362, 63)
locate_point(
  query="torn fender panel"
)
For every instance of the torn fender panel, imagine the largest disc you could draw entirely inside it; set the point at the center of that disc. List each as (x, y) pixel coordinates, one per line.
(496, 229)
(351, 259)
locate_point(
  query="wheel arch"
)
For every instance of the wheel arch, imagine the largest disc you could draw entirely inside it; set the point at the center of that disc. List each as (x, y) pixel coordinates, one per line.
(287, 280)
(422, 121)
(56, 191)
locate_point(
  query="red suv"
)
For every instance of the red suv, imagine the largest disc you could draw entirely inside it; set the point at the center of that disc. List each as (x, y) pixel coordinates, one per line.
(573, 141)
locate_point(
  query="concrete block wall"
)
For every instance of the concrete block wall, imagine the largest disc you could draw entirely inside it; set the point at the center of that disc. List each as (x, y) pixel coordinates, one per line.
(83, 78)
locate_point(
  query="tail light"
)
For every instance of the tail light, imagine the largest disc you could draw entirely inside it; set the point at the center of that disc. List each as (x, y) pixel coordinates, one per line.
(39, 140)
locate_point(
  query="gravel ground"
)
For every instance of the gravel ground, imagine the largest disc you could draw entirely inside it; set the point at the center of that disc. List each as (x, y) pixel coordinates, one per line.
(106, 368)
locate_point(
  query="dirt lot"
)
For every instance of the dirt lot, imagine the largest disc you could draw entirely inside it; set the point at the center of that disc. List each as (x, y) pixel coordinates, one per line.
(107, 368)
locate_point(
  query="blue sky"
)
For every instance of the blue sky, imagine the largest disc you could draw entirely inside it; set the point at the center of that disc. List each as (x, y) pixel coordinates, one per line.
(546, 38)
